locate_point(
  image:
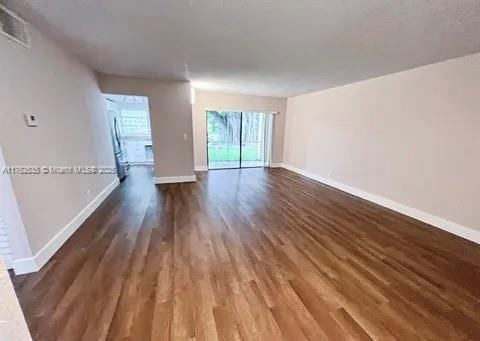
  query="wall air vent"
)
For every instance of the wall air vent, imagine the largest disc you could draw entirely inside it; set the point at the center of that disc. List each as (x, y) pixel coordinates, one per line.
(13, 27)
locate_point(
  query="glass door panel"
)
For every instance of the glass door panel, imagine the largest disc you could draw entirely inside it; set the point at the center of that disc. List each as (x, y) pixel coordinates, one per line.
(223, 139)
(253, 151)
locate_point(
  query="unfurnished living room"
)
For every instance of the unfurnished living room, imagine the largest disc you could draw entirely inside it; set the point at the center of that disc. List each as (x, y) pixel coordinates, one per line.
(239, 170)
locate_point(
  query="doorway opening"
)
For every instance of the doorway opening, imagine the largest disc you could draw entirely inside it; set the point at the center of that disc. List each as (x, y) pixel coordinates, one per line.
(238, 139)
(131, 133)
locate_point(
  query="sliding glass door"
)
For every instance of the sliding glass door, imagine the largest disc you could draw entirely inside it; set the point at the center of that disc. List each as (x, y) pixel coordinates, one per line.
(253, 139)
(223, 139)
(237, 139)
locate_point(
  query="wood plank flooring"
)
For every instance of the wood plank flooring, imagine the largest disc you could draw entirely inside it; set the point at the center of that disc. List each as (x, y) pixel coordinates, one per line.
(252, 254)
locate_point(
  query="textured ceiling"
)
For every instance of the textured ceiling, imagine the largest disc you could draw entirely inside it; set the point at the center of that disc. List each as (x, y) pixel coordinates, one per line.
(264, 47)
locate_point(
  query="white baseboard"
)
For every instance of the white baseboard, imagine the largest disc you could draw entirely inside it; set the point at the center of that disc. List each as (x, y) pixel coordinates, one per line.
(201, 168)
(276, 165)
(35, 263)
(25, 266)
(174, 179)
(446, 225)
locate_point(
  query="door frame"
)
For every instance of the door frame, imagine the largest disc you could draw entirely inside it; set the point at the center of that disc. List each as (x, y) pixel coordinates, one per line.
(11, 216)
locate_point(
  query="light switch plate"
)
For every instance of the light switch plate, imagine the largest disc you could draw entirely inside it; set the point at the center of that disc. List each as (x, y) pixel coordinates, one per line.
(31, 120)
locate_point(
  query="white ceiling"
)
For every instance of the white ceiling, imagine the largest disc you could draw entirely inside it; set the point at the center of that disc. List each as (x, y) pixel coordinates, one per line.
(264, 47)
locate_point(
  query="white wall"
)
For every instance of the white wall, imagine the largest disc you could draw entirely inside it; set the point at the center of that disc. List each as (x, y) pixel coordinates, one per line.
(412, 137)
(73, 130)
(217, 100)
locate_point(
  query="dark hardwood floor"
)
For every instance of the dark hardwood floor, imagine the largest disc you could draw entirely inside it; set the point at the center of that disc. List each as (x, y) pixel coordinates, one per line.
(252, 254)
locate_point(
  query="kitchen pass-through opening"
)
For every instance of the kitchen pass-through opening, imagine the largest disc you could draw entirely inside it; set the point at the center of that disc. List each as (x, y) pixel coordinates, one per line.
(129, 118)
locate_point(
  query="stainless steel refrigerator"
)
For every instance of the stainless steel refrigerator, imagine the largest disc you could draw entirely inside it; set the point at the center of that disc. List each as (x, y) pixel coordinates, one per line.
(121, 160)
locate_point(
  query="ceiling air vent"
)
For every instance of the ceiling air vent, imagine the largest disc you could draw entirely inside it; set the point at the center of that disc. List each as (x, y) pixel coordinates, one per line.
(14, 27)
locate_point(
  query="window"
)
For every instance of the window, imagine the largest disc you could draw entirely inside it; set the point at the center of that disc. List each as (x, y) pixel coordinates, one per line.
(135, 123)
